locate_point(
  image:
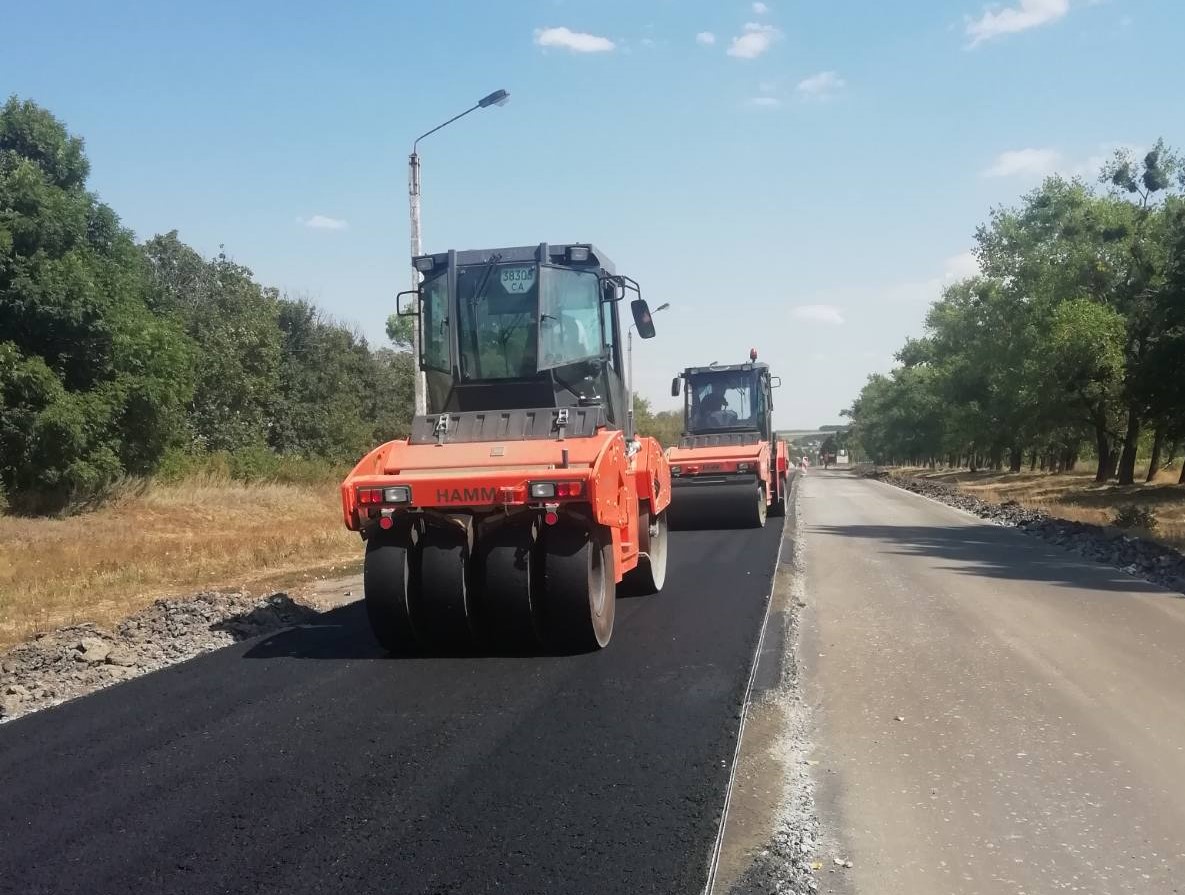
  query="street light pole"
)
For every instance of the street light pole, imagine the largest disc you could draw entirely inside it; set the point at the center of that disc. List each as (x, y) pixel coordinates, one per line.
(497, 98)
(629, 365)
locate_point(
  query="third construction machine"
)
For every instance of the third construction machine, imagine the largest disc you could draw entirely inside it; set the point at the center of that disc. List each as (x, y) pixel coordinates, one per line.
(729, 468)
(521, 499)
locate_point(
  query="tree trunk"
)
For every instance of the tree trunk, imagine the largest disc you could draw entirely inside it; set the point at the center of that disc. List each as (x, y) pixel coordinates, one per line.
(1131, 443)
(1181, 480)
(1032, 461)
(1154, 461)
(1104, 448)
(1016, 460)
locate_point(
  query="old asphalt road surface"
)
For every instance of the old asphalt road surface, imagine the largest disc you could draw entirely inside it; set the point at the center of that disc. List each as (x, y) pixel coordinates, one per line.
(994, 715)
(307, 762)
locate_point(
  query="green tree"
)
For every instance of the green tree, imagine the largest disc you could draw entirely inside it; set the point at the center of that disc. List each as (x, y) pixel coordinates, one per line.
(234, 323)
(92, 384)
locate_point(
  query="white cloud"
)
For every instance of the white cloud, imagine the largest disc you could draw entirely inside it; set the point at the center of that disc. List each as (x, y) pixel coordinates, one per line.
(322, 222)
(829, 314)
(823, 85)
(1024, 162)
(764, 102)
(705, 38)
(575, 41)
(1013, 19)
(760, 8)
(755, 40)
(960, 267)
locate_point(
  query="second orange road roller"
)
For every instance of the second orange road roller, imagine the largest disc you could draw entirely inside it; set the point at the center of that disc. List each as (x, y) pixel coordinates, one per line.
(729, 469)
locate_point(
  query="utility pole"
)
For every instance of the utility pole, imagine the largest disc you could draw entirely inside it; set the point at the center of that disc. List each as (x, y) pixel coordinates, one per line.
(413, 192)
(497, 98)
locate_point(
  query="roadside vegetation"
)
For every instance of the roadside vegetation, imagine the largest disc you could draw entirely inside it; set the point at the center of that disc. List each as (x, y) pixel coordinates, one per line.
(157, 538)
(167, 423)
(1154, 510)
(1067, 351)
(120, 359)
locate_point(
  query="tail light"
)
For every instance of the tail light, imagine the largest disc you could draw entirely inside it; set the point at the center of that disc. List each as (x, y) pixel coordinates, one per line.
(375, 496)
(563, 490)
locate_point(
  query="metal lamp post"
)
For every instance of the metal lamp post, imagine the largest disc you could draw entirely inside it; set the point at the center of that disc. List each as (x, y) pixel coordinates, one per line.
(629, 348)
(497, 98)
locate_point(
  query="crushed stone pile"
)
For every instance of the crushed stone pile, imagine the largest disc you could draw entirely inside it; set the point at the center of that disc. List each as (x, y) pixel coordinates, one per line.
(78, 659)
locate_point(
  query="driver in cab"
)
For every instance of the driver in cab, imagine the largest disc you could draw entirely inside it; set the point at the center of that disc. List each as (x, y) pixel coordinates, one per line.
(714, 412)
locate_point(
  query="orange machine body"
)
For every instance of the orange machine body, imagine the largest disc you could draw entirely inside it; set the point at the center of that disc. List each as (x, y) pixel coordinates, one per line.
(602, 481)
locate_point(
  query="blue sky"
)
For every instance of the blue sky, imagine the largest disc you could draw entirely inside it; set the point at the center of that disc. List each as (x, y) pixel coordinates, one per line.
(797, 176)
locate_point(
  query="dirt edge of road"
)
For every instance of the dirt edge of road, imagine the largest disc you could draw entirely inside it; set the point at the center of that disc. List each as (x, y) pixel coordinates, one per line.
(1139, 557)
(76, 660)
(771, 835)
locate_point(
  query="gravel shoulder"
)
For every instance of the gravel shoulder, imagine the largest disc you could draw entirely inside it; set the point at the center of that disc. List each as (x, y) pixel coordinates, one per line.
(772, 841)
(75, 660)
(1139, 557)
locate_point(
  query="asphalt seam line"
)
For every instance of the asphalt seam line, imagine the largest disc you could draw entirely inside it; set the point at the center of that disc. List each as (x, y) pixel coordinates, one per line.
(714, 863)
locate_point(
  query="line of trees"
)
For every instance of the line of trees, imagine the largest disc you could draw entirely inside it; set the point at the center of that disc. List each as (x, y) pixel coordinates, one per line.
(115, 356)
(1069, 344)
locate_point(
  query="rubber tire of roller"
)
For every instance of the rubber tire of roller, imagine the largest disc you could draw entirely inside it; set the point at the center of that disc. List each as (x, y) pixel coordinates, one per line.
(511, 575)
(757, 519)
(441, 606)
(778, 507)
(651, 572)
(580, 599)
(389, 575)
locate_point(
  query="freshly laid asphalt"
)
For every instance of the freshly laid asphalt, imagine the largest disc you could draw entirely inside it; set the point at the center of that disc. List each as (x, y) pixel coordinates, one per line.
(309, 762)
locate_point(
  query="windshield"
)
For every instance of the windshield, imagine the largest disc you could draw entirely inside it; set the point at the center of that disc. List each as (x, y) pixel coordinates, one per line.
(724, 400)
(519, 319)
(569, 317)
(498, 305)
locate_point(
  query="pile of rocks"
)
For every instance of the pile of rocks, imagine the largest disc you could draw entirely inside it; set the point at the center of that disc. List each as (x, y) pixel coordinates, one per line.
(1137, 556)
(78, 659)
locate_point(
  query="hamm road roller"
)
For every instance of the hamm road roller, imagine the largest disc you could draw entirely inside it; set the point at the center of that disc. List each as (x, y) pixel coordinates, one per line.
(729, 469)
(521, 500)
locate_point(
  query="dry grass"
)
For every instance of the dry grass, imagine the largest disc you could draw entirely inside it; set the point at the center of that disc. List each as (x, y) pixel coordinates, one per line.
(1076, 496)
(155, 540)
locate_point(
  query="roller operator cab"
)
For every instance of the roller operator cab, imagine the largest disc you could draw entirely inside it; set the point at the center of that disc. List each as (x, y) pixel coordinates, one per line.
(520, 502)
(729, 469)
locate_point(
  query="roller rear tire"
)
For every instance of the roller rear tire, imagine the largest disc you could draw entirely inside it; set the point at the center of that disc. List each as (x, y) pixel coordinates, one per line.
(778, 507)
(758, 513)
(651, 572)
(509, 560)
(442, 606)
(389, 576)
(581, 593)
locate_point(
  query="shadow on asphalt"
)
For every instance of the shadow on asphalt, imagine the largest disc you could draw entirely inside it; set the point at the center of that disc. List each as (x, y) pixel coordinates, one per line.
(344, 633)
(993, 552)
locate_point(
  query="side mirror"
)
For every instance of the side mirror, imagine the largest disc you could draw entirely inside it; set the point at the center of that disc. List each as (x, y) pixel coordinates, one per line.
(642, 318)
(675, 383)
(775, 382)
(408, 309)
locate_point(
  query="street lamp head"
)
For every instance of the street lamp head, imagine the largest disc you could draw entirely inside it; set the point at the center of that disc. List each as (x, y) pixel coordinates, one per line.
(497, 98)
(662, 307)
